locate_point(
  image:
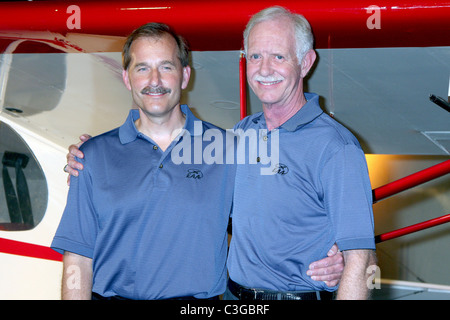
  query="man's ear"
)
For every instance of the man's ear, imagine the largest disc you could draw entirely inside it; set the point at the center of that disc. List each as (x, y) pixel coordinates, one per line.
(308, 62)
(186, 77)
(126, 79)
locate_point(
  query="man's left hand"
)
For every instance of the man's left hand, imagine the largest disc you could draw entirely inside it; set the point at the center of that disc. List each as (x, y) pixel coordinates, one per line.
(328, 269)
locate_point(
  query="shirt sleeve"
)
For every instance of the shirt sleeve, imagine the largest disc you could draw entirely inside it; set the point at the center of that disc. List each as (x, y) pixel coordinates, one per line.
(348, 198)
(78, 227)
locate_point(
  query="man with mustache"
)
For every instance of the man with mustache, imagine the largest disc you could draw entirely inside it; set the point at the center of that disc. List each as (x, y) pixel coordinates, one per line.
(159, 110)
(322, 195)
(137, 225)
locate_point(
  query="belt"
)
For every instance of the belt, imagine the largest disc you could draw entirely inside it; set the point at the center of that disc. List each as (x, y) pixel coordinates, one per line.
(245, 293)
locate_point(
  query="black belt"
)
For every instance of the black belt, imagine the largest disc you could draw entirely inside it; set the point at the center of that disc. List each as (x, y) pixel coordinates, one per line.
(245, 293)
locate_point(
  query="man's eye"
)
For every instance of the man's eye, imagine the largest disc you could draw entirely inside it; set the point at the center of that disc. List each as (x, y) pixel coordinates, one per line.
(166, 67)
(278, 57)
(254, 56)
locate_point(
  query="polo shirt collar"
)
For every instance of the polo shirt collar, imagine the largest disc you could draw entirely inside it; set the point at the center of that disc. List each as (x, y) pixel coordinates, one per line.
(128, 131)
(190, 121)
(306, 114)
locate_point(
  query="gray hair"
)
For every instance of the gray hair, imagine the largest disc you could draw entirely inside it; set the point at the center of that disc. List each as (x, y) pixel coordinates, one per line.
(304, 38)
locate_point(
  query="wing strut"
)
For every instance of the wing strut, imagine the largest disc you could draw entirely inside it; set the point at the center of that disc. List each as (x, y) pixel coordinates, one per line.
(407, 183)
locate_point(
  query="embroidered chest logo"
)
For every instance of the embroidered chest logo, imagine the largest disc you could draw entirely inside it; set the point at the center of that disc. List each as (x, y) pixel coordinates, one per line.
(194, 174)
(281, 169)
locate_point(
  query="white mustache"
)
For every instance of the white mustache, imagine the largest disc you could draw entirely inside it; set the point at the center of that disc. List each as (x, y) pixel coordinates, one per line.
(260, 78)
(157, 90)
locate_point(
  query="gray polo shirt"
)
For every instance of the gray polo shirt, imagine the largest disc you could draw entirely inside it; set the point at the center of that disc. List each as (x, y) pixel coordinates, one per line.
(319, 194)
(154, 227)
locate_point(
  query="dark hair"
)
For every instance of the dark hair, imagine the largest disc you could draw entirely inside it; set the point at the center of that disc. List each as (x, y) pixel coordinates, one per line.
(155, 30)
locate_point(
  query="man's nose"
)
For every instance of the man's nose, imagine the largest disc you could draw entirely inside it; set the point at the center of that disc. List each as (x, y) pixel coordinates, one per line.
(265, 67)
(155, 78)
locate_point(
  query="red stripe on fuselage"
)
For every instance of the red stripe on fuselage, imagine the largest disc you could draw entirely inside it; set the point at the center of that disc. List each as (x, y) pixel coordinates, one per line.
(28, 250)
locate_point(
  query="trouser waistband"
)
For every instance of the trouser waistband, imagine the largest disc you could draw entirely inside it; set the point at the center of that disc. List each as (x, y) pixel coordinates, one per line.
(246, 293)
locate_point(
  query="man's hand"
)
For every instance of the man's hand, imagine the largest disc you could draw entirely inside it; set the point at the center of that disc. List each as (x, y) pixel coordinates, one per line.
(73, 166)
(328, 269)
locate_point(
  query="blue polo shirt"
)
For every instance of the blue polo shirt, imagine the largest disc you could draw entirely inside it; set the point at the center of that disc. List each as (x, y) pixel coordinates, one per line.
(319, 194)
(154, 227)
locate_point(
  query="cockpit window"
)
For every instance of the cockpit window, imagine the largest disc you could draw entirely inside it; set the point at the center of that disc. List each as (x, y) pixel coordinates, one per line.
(23, 188)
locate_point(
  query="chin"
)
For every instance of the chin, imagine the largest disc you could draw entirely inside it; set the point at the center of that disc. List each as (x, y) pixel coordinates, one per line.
(268, 100)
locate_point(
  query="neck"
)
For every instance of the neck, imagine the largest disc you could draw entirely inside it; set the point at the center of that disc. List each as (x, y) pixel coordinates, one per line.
(276, 115)
(161, 129)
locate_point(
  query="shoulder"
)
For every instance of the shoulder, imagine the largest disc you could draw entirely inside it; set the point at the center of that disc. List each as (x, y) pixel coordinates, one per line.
(249, 121)
(334, 132)
(98, 143)
(333, 141)
(208, 125)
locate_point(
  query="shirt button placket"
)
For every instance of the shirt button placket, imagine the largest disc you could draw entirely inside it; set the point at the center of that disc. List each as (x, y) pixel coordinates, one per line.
(155, 147)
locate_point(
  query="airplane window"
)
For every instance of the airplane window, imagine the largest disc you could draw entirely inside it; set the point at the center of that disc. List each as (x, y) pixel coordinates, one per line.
(23, 188)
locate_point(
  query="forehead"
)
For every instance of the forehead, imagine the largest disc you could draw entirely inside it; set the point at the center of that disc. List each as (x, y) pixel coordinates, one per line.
(153, 48)
(275, 35)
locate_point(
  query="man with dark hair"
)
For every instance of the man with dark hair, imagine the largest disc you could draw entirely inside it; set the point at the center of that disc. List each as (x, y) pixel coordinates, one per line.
(136, 224)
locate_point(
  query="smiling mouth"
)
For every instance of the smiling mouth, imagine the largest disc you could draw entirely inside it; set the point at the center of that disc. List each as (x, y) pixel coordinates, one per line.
(265, 83)
(150, 91)
(268, 81)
